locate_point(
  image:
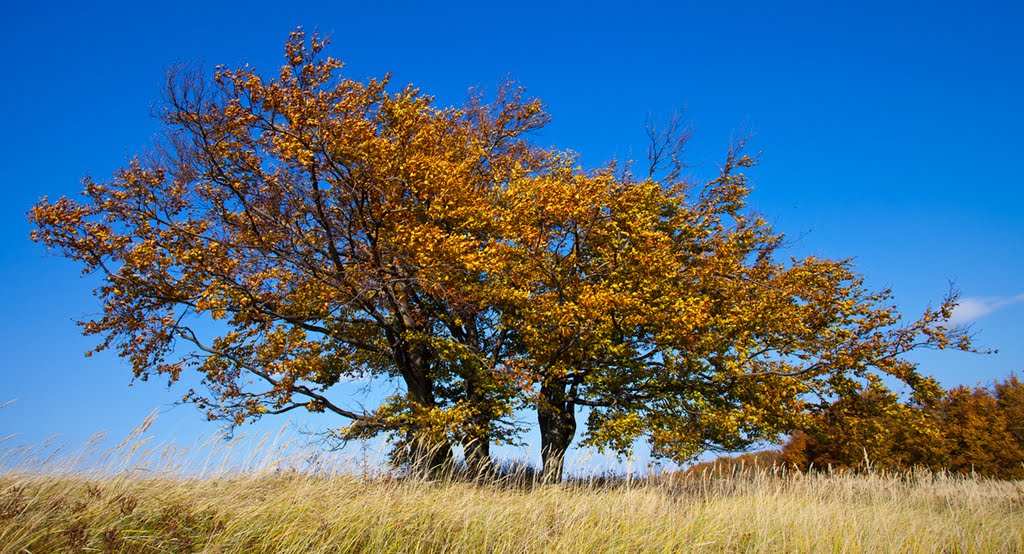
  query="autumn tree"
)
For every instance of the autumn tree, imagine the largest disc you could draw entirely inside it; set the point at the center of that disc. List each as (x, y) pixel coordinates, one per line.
(661, 305)
(982, 429)
(1010, 398)
(873, 429)
(292, 233)
(329, 230)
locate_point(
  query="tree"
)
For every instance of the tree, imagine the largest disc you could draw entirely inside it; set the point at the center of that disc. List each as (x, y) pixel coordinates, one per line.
(967, 430)
(659, 304)
(871, 429)
(329, 229)
(982, 429)
(291, 233)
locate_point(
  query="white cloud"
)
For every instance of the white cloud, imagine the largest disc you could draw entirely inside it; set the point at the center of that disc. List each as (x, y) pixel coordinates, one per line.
(974, 307)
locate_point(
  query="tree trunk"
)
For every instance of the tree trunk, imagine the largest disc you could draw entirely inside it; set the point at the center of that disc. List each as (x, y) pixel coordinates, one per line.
(429, 458)
(556, 416)
(478, 458)
(426, 456)
(477, 442)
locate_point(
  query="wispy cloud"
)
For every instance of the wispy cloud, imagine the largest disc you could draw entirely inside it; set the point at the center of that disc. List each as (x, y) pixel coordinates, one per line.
(974, 307)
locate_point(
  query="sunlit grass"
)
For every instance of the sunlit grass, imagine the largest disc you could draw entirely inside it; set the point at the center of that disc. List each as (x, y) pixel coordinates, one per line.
(224, 497)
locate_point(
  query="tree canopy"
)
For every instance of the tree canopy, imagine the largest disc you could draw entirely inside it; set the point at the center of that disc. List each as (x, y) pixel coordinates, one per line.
(291, 233)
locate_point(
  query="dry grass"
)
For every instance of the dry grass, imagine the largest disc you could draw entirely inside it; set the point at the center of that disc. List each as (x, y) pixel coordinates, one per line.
(302, 513)
(137, 498)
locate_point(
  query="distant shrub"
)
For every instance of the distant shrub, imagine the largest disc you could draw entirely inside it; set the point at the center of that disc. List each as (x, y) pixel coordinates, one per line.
(726, 466)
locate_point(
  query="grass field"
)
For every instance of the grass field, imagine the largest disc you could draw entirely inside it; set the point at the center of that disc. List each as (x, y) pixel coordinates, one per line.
(140, 498)
(300, 513)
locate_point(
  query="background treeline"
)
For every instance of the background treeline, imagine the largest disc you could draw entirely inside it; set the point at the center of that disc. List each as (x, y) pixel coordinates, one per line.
(965, 430)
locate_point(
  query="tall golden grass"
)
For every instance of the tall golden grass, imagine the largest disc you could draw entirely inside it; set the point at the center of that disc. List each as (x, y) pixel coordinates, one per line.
(221, 497)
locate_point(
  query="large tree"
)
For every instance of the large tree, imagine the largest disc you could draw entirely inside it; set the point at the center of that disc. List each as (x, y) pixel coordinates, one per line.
(289, 234)
(661, 305)
(329, 229)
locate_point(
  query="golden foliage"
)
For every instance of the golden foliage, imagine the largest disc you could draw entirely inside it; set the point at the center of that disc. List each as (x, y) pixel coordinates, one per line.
(293, 233)
(965, 430)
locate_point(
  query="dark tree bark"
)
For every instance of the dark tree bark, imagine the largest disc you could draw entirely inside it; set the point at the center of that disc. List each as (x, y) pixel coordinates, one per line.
(556, 417)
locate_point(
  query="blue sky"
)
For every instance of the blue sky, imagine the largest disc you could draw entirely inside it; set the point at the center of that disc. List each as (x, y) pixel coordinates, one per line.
(890, 132)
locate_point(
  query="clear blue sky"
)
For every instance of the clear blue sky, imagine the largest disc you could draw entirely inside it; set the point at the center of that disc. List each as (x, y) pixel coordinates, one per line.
(891, 132)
